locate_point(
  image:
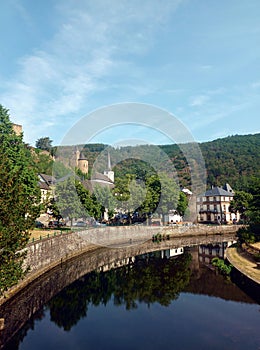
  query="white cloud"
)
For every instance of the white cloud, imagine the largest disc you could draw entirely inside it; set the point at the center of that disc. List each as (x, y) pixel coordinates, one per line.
(60, 75)
(199, 100)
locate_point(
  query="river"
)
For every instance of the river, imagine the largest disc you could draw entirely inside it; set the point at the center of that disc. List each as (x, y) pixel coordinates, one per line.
(170, 299)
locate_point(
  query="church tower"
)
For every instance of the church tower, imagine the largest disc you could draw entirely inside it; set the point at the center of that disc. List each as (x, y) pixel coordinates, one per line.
(82, 163)
(109, 172)
(77, 156)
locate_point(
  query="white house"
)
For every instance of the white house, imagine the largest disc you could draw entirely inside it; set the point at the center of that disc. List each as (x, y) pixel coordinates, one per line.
(213, 206)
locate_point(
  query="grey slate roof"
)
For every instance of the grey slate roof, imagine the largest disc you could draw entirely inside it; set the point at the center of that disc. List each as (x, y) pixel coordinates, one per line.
(48, 179)
(43, 186)
(216, 191)
(82, 156)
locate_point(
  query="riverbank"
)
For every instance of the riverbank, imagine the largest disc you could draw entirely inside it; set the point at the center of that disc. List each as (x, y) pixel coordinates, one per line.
(243, 264)
(50, 251)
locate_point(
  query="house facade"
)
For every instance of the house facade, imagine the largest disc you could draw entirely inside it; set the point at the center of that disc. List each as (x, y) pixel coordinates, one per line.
(213, 206)
(46, 183)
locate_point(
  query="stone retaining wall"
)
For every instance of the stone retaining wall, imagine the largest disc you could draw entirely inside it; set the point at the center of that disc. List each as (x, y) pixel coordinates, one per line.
(49, 252)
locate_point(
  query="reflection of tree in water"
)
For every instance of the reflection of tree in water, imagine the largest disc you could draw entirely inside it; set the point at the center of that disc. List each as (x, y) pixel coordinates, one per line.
(148, 279)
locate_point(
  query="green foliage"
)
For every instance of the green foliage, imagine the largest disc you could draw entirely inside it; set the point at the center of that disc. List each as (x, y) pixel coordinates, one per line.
(182, 204)
(257, 257)
(44, 143)
(58, 170)
(43, 163)
(245, 235)
(232, 158)
(248, 203)
(67, 200)
(19, 201)
(149, 279)
(142, 190)
(240, 203)
(223, 268)
(89, 202)
(105, 197)
(253, 211)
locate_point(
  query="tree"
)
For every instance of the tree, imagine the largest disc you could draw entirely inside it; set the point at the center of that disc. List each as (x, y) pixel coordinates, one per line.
(19, 201)
(169, 194)
(182, 204)
(105, 199)
(44, 143)
(67, 199)
(91, 206)
(253, 211)
(43, 163)
(240, 203)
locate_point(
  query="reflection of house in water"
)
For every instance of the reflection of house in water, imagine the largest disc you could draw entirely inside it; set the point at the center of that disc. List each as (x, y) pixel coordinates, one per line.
(209, 251)
(162, 254)
(117, 263)
(169, 253)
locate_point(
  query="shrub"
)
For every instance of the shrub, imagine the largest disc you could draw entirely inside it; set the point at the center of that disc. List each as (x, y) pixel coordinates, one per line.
(223, 268)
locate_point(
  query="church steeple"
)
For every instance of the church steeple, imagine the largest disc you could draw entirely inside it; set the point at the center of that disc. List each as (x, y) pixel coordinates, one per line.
(108, 162)
(109, 172)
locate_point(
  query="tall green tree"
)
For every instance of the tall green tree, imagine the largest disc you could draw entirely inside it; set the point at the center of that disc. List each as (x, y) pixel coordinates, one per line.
(92, 207)
(169, 194)
(19, 201)
(253, 211)
(44, 143)
(240, 203)
(67, 199)
(183, 203)
(105, 199)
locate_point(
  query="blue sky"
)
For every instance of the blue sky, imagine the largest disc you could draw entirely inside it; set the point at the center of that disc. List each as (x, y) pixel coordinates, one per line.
(197, 59)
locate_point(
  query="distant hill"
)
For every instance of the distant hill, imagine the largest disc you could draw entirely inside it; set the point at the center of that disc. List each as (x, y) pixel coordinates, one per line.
(232, 159)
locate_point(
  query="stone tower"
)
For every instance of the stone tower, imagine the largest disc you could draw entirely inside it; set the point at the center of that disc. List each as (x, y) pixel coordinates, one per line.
(18, 129)
(82, 162)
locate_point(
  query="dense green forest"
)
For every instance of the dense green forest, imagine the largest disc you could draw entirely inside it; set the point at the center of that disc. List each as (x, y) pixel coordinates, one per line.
(233, 159)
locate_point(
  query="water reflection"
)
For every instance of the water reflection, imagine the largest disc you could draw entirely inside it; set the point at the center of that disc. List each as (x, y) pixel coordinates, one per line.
(149, 279)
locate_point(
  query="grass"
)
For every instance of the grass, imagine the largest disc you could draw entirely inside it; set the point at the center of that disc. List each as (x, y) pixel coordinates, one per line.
(42, 233)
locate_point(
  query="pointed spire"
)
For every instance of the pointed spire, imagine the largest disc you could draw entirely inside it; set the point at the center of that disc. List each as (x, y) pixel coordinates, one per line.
(108, 162)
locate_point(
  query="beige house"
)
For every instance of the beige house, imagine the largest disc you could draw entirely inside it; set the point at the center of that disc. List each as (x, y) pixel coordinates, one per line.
(213, 206)
(46, 183)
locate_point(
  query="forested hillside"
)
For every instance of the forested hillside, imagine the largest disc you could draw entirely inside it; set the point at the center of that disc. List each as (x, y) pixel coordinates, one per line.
(234, 159)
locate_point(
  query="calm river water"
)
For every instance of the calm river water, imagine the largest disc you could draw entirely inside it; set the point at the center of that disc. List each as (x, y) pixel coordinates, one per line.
(169, 299)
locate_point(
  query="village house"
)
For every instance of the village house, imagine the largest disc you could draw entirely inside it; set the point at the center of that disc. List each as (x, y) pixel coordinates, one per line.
(213, 206)
(46, 183)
